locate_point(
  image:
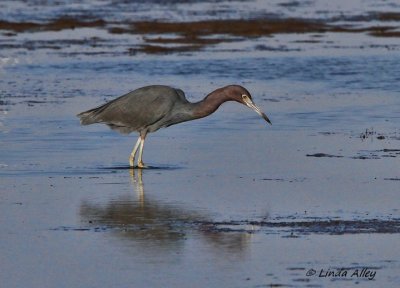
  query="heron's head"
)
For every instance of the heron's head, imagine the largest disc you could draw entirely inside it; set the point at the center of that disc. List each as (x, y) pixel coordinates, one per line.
(241, 95)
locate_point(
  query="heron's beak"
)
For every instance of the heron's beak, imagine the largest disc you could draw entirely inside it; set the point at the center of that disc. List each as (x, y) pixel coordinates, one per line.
(253, 106)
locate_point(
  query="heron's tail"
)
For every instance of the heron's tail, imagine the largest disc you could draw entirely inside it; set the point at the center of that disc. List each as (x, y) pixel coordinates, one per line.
(91, 116)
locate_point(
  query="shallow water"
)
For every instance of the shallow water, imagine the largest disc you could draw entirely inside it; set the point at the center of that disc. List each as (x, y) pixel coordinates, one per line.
(228, 201)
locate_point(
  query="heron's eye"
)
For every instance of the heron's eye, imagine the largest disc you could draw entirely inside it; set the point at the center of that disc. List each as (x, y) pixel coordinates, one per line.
(245, 98)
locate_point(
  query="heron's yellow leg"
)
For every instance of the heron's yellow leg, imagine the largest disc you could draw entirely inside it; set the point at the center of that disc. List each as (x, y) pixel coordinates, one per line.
(140, 161)
(133, 154)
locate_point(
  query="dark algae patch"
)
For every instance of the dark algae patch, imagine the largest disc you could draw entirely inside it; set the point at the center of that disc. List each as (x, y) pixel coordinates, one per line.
(303, 227)
(54, 25)
(320, 155)
(363, 154)
(194, 29)
(161, 36)
(239, 27)
(331, 227)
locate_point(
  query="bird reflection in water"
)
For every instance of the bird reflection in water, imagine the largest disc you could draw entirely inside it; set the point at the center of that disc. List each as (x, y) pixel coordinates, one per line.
(158, 225)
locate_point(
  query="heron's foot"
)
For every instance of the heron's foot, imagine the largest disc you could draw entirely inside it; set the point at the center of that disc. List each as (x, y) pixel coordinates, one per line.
(141, 165)
(131, 160)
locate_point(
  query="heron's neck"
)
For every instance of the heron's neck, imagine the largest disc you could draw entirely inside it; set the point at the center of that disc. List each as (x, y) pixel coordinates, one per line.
(210, 103)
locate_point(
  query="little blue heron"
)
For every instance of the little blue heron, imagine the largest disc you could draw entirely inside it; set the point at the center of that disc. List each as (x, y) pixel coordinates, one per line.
(150, 108)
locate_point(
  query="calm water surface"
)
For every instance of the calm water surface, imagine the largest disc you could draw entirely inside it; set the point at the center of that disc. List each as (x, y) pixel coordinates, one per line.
(228, 201)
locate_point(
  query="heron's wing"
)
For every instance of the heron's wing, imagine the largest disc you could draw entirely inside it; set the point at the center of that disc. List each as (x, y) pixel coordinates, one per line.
(181, 95)
(134, 111)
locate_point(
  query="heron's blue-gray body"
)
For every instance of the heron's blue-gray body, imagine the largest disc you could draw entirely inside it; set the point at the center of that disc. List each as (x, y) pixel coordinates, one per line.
(144, 110)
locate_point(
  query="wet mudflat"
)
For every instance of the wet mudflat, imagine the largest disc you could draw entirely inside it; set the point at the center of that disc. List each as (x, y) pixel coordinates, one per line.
(311, 201)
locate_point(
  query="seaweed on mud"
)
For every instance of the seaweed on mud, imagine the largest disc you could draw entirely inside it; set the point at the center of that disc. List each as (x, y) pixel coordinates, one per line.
(295, 228)
(319, 155)
(54, 25)
(195, 35)
(331, 227)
